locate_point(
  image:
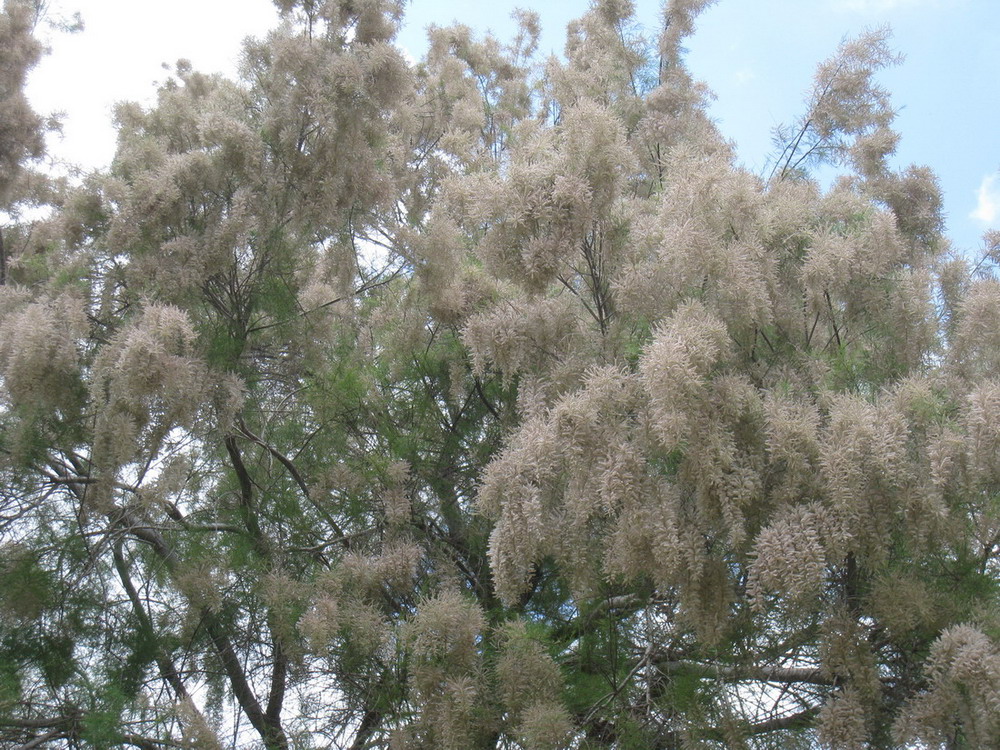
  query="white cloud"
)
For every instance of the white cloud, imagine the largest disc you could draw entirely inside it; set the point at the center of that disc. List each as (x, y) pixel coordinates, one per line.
(988, 200)
(118, 57)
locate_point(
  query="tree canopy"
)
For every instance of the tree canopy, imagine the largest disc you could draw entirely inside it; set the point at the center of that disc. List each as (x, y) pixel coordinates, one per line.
(487, 402)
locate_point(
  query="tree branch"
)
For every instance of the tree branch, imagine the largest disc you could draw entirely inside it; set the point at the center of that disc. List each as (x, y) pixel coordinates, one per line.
(342, 538)
(744, 674)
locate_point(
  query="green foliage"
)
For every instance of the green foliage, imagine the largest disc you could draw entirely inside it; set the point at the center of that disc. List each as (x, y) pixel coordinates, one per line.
(28, 588)
(101, 726)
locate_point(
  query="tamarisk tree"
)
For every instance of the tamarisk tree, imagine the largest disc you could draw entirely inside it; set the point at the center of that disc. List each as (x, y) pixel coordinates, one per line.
(486, 402)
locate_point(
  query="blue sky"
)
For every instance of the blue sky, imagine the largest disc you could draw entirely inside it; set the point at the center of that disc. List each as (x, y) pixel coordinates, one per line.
(757, 55)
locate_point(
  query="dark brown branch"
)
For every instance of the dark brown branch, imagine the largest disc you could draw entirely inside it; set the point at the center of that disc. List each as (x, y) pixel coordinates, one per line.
(144, 743)
(792, 721)
(805, 675)
(486, 401)
(273, 736)
(366, 287)
(41, 739)
(167, 670)
(800, 720)
(272, 733)
(249, 510)
(342, 538)
(833, 321)
(279, 676)
(55, 721)
(369, 722)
